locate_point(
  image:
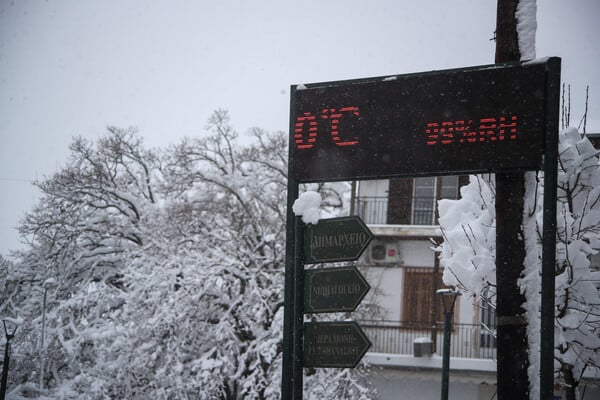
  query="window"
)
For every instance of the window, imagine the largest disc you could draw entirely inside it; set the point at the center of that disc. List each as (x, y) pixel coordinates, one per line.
(405, 201)
(372, 201)
(426, 192)
(423, 200)
(448, 187)
(419, 296)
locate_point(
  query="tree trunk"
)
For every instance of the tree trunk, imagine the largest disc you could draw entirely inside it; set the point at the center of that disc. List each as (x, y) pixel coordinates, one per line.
(513, 360)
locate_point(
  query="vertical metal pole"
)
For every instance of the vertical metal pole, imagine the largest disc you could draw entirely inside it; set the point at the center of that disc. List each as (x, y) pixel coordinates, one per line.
(5, 370)
(42, 349)
(292, 379)
(9, 336)
(435, 305)
(446, 355)
(352, 198)
(299, 311)
(549, 232)
(287, 384)
(291, 384)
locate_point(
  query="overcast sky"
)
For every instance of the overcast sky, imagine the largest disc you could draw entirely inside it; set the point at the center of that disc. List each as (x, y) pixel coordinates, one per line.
(71, 68)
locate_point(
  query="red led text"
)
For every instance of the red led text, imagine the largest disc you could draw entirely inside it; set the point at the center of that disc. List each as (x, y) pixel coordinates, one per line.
(465, 131)
(305, 128)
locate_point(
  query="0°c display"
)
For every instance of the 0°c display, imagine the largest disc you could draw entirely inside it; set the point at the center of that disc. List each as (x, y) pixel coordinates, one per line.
(482, 119)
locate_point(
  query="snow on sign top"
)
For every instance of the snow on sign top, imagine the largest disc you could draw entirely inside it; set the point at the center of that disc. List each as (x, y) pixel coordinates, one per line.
(307, 206)
(472, 120)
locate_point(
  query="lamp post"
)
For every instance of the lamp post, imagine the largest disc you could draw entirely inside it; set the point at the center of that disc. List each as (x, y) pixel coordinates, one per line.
(448, 297)
(47, 283)
(10, 334)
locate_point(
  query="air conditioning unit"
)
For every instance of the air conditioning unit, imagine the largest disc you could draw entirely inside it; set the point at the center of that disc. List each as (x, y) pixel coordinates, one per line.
(383, 252)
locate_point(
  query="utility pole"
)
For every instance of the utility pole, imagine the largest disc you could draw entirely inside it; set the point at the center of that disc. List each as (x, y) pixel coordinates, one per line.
(513, 360)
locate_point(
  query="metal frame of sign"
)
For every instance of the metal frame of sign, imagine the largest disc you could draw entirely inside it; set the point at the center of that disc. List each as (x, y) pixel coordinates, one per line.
(473, 120)
(292, 373)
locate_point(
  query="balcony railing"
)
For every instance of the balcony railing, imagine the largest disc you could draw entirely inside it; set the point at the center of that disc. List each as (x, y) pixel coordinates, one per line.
(422, 210)
(374, 210)
(392, 337)
(371, 209)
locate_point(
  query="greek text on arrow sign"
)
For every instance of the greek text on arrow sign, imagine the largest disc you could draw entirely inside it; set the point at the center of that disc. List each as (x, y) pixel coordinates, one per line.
(336, 239)
(333, 289)
(334, 344)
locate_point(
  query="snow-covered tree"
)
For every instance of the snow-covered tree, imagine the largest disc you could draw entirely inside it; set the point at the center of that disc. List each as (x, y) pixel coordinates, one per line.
(468, 255)
(90, 217)
(168, 268)
(578, 281)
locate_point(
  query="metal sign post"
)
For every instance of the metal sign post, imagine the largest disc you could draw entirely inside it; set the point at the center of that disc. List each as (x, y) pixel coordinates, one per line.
(291, 377)
(549, 237)
(496, 118)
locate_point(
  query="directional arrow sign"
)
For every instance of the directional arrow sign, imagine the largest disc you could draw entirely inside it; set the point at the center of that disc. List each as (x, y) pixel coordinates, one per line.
(333, 289)
(334, 344)
(336, 239)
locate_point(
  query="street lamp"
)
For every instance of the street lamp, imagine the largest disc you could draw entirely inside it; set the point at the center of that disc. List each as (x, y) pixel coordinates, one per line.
(448, 297)
(47, 283)
(10, 328)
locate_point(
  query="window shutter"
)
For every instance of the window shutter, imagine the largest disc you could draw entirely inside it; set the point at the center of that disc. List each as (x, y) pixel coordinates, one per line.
(419, 295)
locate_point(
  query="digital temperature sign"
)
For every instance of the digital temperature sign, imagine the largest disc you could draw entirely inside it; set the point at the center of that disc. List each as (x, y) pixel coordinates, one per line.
(474, 120)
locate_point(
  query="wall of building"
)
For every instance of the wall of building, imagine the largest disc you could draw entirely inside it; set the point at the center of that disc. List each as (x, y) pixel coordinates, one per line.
(387, 279)
(386, 284)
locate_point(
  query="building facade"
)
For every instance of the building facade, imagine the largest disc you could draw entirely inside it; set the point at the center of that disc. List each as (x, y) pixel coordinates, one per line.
(404, 319)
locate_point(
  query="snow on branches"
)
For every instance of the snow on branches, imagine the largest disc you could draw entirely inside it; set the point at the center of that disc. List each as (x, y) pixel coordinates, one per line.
(168, 270)
(468, 254)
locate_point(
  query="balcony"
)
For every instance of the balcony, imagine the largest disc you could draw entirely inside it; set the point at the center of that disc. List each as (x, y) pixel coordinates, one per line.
(374, 210)
(393, 337)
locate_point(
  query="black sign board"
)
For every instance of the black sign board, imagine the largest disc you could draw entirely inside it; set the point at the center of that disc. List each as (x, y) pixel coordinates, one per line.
(334, 344)
(471, 120)
(333, 289)
(336, 239)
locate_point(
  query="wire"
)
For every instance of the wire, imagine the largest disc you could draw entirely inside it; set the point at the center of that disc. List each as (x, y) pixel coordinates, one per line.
(16, 179)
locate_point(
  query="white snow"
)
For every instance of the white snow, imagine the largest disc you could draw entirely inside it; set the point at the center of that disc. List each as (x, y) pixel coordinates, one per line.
(49, 281)
(526, 28)
(532, 281)
(468, 253)
(307, 206)
(194, 194)
(422, 340)
(468, 226)
(541, 60)
(13, 321)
